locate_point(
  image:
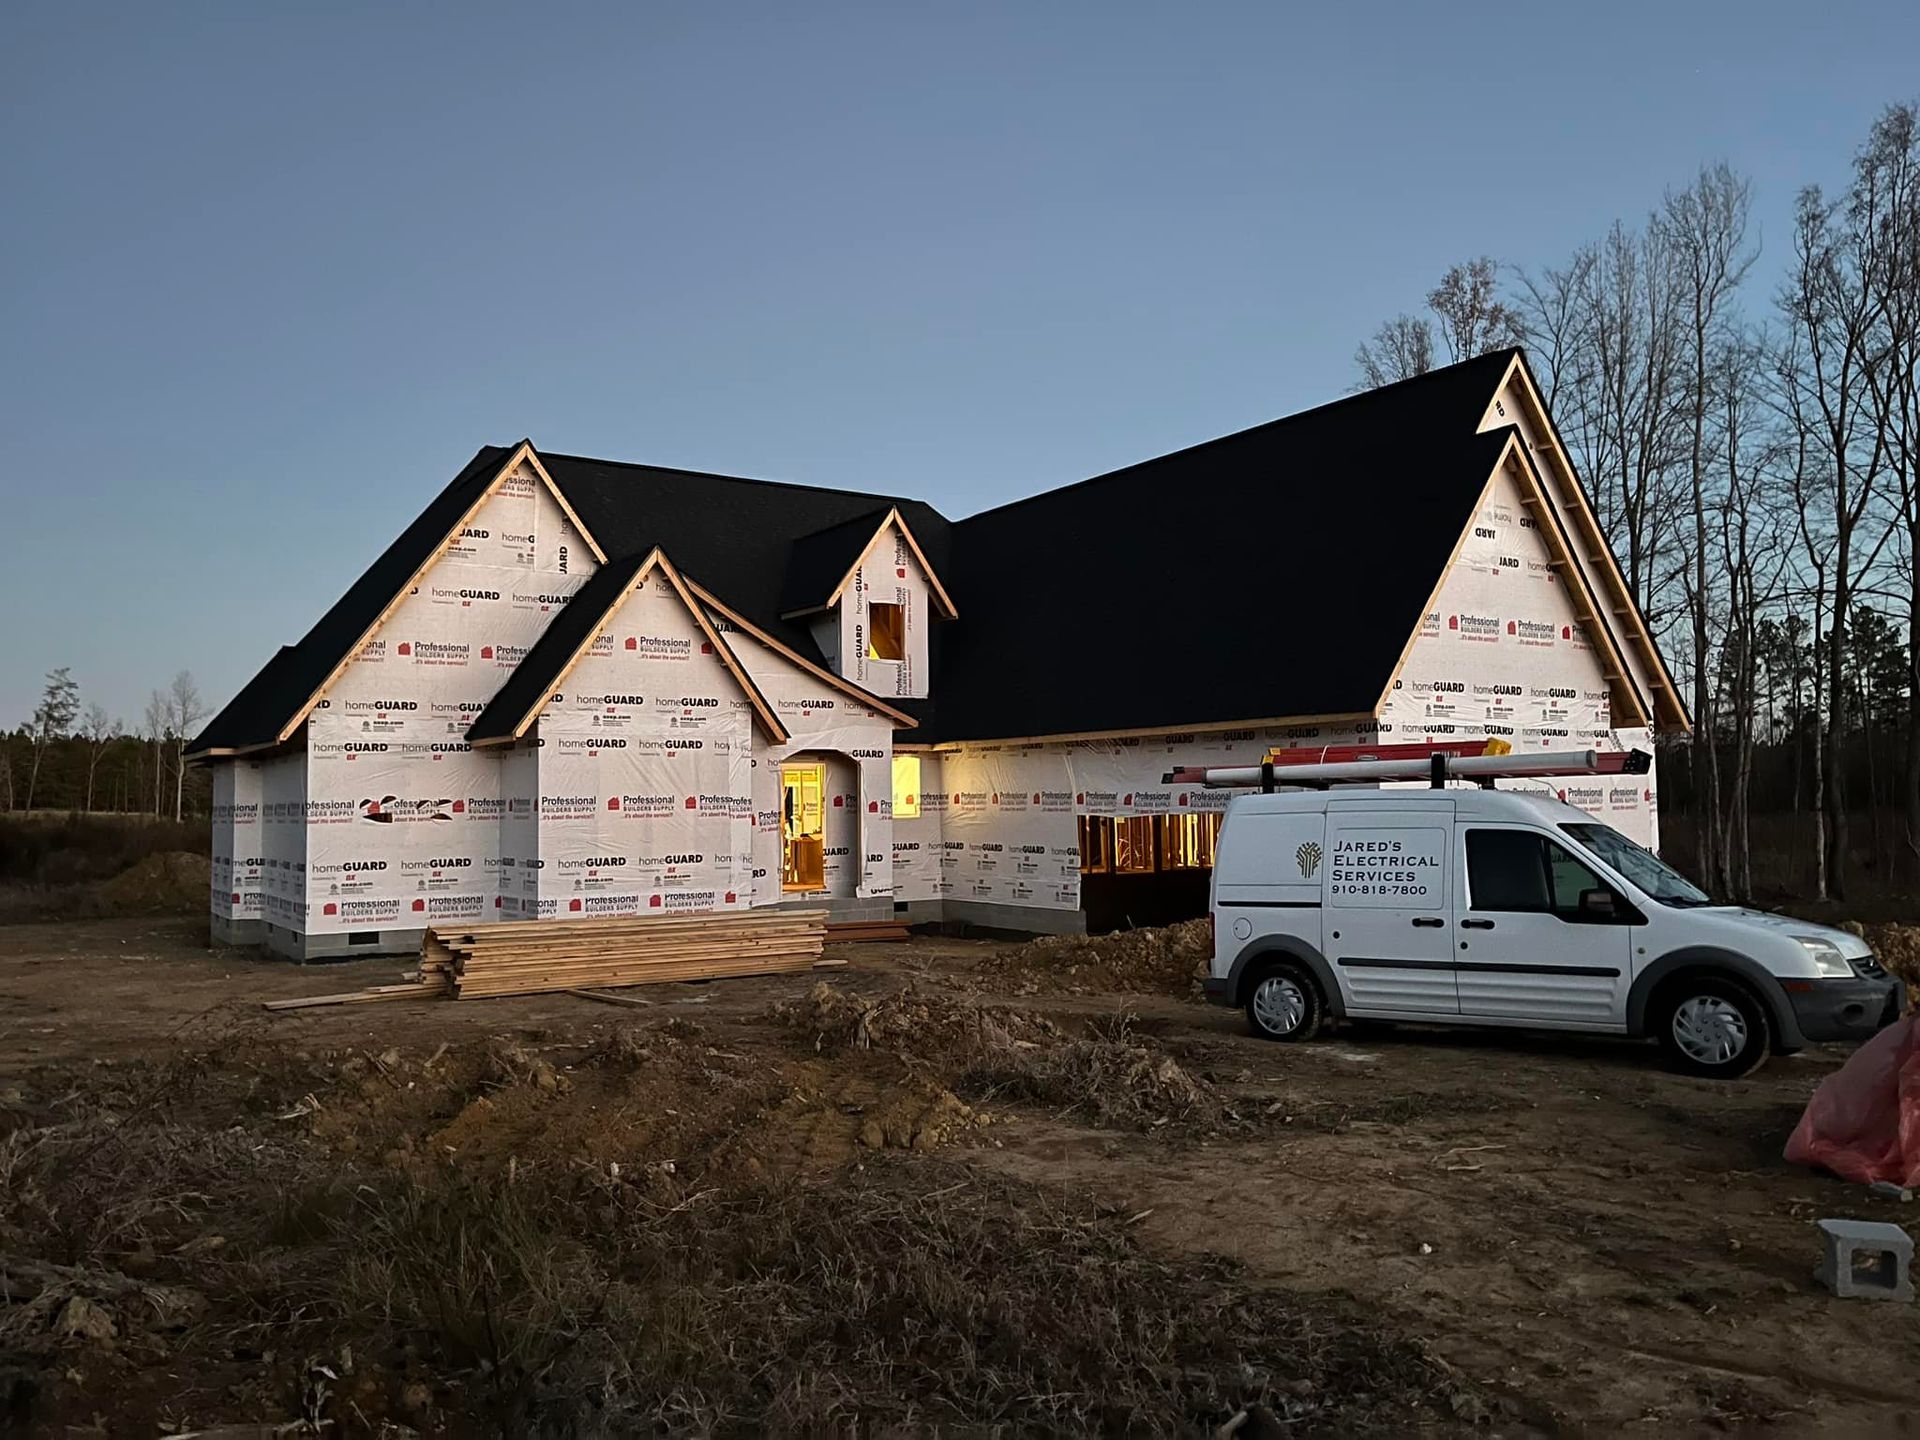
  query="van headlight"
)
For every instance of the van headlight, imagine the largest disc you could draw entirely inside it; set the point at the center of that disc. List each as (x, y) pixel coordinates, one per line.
(1826, 958)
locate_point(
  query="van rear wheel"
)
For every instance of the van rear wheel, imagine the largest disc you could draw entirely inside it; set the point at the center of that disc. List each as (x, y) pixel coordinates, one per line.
(1714, 1028)
(1284, 1004)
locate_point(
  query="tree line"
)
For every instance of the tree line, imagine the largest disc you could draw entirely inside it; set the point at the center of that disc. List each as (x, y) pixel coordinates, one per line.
(1755, 460)
(73, 755)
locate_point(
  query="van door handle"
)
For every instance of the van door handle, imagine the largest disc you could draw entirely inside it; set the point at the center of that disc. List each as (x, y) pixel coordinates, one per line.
(1476, 924)
(1428, 920)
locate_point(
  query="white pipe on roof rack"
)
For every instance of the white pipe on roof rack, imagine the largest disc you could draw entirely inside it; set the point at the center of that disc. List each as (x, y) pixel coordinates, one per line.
(1467, 767)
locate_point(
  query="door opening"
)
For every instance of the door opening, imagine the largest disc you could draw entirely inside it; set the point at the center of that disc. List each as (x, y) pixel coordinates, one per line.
(803, 827)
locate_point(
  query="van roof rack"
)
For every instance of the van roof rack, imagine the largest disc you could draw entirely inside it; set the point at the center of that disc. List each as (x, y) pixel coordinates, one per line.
(1316, 768)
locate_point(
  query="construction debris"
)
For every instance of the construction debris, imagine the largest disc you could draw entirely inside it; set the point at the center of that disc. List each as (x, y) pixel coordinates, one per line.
(525, 957)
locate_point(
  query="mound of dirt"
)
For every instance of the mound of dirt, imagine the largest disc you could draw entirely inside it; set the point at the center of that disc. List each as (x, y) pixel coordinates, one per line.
(1898, 947)
(172, 881)
(1166, 960)
(987, 1052)
(915, 1024)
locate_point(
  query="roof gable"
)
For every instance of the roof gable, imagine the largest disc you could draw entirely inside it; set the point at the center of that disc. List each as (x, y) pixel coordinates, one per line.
(571, 638)
(733, 535)
(280, 697)
(820, 566)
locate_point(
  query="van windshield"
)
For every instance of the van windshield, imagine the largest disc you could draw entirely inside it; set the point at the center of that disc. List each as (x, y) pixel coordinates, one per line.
(1652, 874)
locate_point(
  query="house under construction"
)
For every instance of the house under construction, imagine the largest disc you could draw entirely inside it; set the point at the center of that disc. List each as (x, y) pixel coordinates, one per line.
(576, 687)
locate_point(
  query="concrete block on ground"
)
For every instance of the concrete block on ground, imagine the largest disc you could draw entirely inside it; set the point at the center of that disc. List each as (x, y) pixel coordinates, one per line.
(1866, 1260)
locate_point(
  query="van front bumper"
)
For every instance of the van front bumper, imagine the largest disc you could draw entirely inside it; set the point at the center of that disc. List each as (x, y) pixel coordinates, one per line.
(1845, 1009)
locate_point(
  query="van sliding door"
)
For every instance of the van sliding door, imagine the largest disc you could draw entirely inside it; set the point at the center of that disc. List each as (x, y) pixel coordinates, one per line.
(1388, 916)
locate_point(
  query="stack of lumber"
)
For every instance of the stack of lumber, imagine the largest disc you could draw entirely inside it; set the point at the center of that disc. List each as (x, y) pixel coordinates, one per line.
(847, 930)
(528, 956)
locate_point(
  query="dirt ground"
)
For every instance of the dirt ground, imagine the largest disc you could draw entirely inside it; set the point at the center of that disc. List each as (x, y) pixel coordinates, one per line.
(1409, 1229)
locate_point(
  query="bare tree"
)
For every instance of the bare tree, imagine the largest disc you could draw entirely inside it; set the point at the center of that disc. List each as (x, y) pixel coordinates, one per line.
(52, 718)
(1704, 228)
(98, 731)
(155, 728)
(1473, 318)
(1831, 314)
(1884, 213)
(1399, 350)
(184, 711)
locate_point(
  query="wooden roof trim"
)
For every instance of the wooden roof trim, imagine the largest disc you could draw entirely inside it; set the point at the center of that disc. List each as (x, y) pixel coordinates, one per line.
(943, 602)
(523, 451)
(820, 672)
(1600, 553)
(1204, 727)
(560, 499)
(769, 722)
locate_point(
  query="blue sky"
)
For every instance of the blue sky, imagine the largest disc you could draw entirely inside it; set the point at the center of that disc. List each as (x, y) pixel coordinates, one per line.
(272, 272)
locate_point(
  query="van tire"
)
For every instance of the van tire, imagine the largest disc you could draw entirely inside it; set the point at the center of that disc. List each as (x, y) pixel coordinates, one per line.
(1283, 1003)
(1697, 1017)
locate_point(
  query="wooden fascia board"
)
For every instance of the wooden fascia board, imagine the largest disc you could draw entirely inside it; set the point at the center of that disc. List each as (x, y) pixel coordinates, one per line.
(892, 517)
(523, 451)
(847, 687)
(1627, 608)
(1204, 727)
(533, 458)
(926, 567)
(769, 722)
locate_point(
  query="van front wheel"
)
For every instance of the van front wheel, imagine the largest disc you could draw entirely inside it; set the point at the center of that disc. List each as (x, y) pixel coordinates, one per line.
(1284, 1004)
(1714, 1028)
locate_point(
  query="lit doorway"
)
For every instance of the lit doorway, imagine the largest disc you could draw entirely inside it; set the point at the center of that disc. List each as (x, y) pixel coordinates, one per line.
(803, 827)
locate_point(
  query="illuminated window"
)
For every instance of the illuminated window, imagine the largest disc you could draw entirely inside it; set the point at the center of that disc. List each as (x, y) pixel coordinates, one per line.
(886, 631)
(1133, 845)
(1096, 845)
(1187, 841)
(906, 787)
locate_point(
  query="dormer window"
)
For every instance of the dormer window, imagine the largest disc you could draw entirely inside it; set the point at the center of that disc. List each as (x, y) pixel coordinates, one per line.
(867, 595)
(886, 631)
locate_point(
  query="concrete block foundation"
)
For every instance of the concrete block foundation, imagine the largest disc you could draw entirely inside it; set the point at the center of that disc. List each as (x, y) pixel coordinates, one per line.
(237, 932)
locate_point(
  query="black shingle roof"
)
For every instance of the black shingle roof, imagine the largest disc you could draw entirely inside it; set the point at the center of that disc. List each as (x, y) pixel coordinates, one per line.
(730, 534)
(1278, 571)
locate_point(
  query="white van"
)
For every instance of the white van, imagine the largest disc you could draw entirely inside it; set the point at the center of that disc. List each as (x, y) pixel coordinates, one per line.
(1490, 907)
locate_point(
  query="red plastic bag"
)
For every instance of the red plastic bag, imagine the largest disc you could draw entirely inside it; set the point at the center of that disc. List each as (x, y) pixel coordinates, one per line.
(1863, 1123)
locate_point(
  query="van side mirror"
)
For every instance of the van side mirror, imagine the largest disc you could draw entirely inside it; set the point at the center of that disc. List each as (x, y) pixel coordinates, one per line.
(1597, 905)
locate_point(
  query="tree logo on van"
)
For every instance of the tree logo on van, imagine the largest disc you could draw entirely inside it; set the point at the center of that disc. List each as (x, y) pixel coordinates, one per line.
(1308, 855)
